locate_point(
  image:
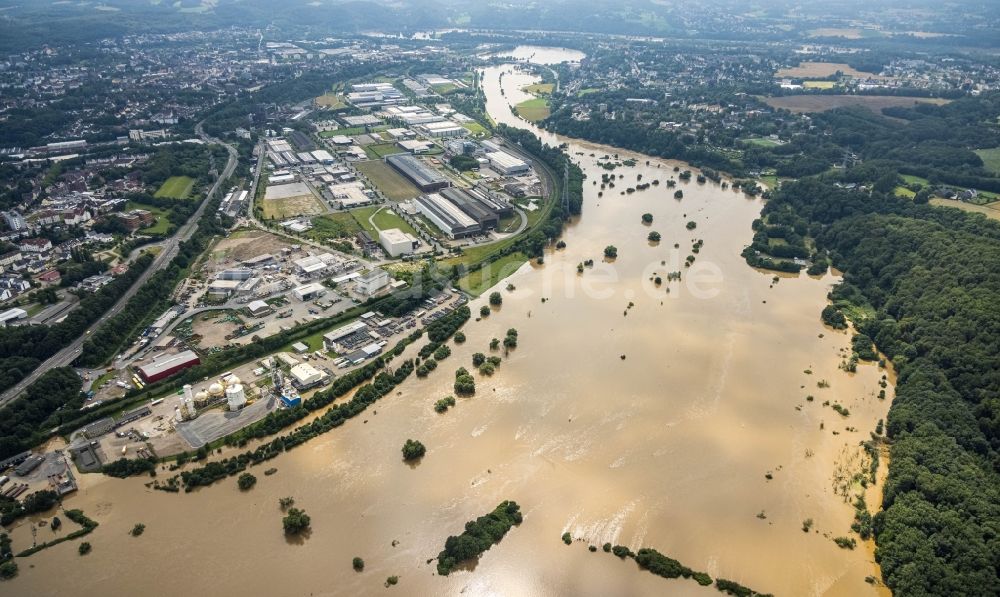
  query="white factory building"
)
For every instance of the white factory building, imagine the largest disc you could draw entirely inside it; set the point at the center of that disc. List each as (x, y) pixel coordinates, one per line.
(305, 375)
(372, 282)
(309, 291)
(396, 242)
(443, 129)
(506, 164)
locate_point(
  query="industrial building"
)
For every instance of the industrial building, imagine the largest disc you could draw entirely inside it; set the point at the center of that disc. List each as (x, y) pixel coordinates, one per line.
(305, 376)
(396, 242)
(472, 204)
(423, 176)
(12, 315)
(167, 365)
(442, 129)
(506, 164)
(445, 215)
(372, 282)
(332, 341)
(239, 273)
(223, 287)
(258, 308)
(309, 291)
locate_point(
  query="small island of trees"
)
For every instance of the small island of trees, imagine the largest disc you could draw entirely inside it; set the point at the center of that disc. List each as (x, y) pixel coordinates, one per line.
(295, 521)
(611, 251)
(246, 481)
(413, 450)
(480, 535)
(653, 237)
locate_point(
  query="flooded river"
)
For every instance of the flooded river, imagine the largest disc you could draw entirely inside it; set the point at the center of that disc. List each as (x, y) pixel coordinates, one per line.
(669, 447)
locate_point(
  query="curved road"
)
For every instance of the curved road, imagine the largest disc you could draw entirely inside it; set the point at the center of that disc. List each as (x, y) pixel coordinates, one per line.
(69, 354)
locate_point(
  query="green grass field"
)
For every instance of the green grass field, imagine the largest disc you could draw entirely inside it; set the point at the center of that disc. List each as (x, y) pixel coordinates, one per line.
(349, 132)
(910, 179)
(176, 187)
(331, 101)
(534, 109)
(444, 89)
(380, 150)
(903, 192)
(486, 277)
(587, 91)
(475, 128)
(385, 220)
(333, 227)
(540, 88)
(818, 84)
(762, 142)
(382, 218)
(390, 182)
(991, 159)
(162, 223)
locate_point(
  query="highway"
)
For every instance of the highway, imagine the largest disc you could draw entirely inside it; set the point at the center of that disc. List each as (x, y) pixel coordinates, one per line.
(69, 354)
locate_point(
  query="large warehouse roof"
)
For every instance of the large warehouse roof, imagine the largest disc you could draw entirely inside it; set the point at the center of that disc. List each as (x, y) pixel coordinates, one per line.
(416, 170)
(166, 363)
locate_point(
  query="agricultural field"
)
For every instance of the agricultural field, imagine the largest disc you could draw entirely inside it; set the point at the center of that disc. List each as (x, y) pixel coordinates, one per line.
(380, 150)
(534, 110)
(818, 84)
(991, 159)
(481, 280)
(176, 187)
(846, 33)
(991, 211)
(807, 70)
(391, 183)
(540, 89)
(821, 103)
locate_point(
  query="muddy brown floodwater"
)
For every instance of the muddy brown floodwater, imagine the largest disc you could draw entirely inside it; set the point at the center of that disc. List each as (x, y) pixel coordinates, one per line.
(668, 448)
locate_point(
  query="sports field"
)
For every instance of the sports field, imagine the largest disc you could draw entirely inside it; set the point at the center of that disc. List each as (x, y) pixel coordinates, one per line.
(176, 187)
(391, 183)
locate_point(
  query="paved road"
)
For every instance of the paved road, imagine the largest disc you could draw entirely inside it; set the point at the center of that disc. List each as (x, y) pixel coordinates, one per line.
(170, 247)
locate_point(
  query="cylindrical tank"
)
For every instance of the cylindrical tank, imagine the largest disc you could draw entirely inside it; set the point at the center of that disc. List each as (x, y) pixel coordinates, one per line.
(236, 397)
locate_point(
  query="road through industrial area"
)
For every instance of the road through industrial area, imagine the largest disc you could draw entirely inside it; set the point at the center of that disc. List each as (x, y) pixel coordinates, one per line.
(68, 354)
